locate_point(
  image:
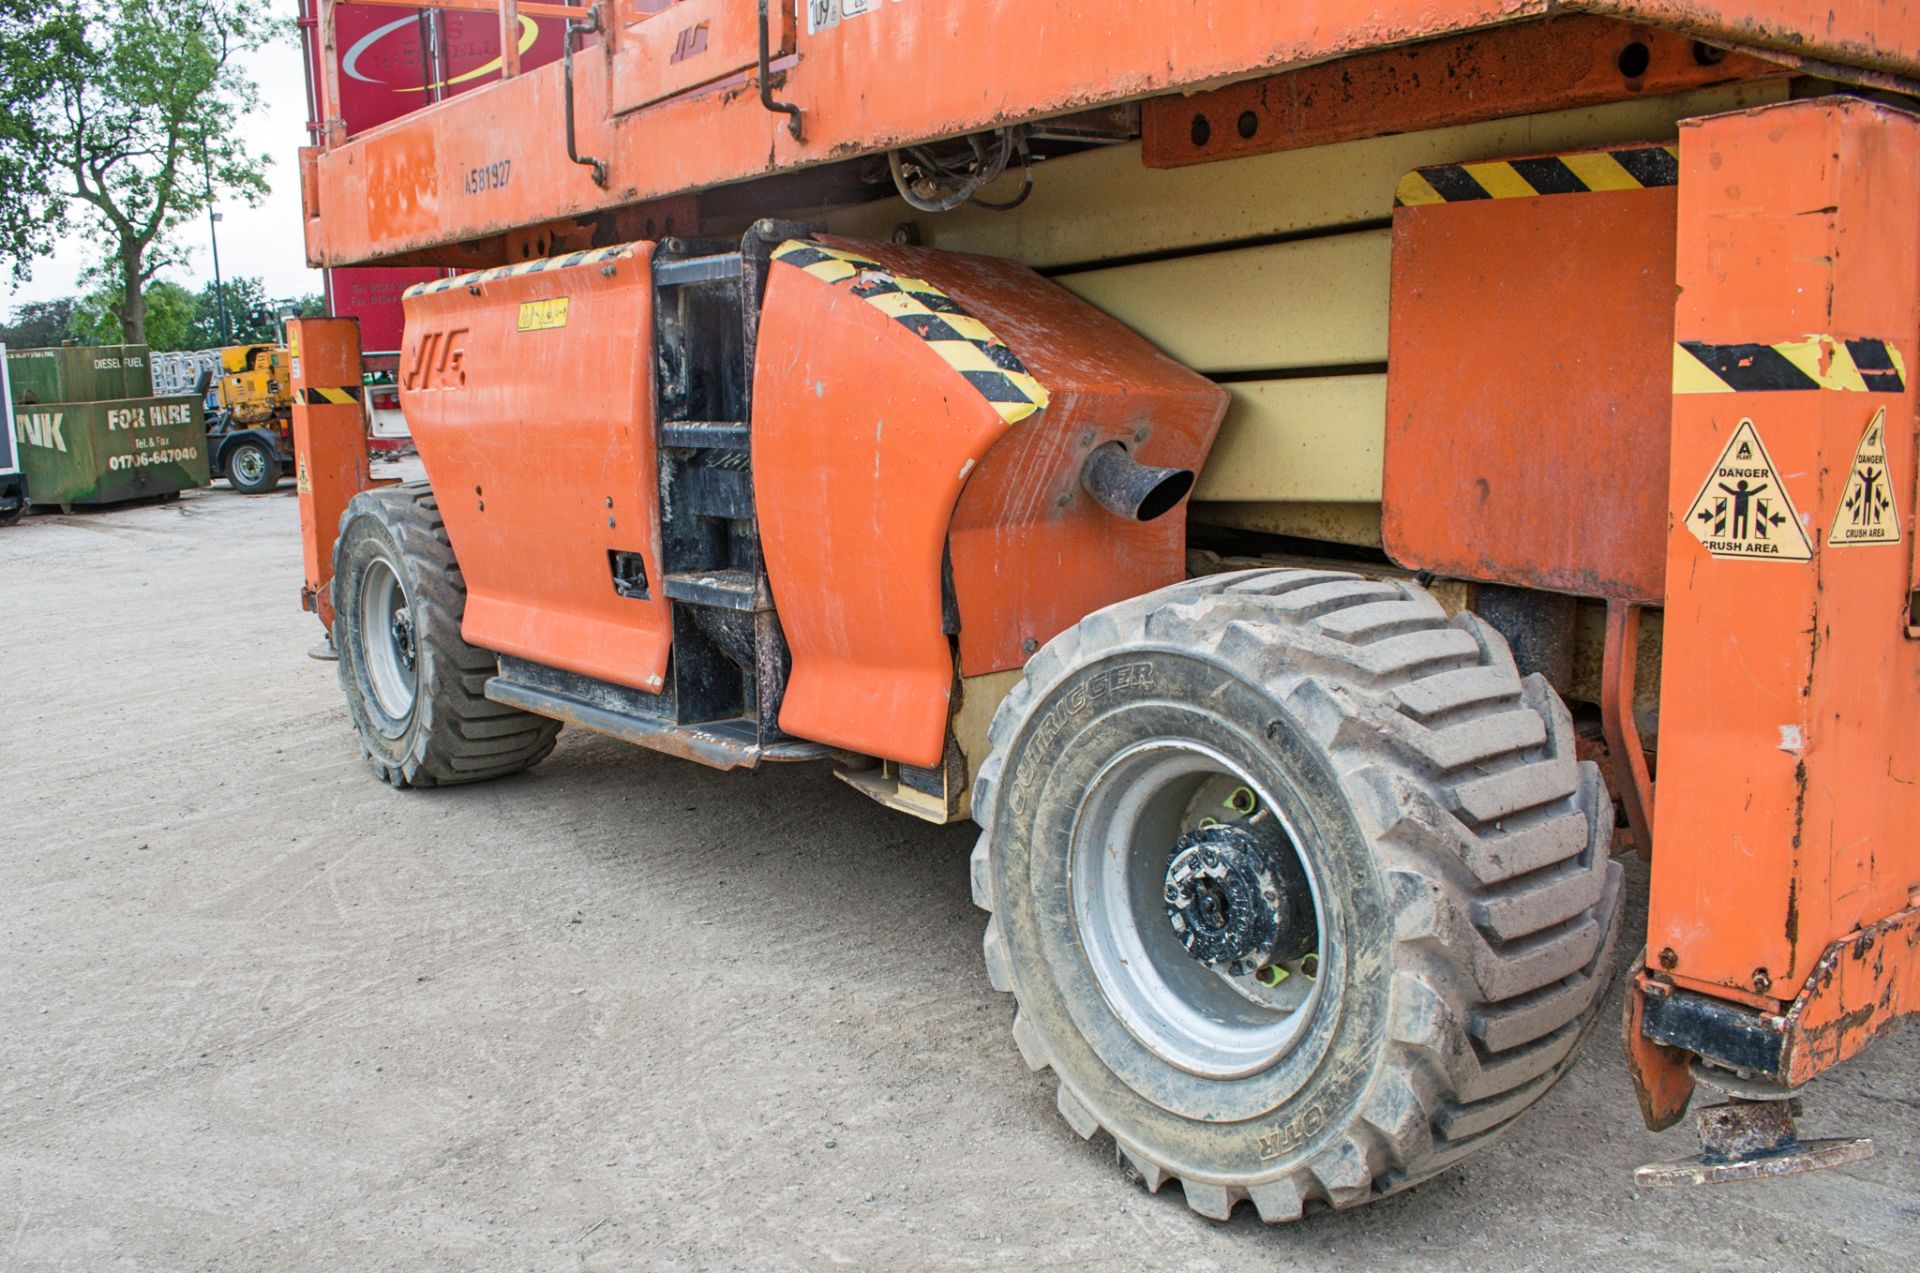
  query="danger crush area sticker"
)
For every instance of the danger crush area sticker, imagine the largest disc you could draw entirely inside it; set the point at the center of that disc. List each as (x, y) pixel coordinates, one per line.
(1743, 509)
(1867, 512)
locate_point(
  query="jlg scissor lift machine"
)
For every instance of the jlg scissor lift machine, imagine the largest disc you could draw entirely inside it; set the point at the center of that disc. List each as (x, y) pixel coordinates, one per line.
(1299, 476)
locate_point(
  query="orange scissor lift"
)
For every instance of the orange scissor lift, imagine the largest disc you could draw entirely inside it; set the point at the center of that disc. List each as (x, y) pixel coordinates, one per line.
(1301, 477)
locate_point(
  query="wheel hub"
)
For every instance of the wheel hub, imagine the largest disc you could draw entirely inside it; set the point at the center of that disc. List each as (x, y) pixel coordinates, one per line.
(1236, 901)
(388, 646)
(401, 631)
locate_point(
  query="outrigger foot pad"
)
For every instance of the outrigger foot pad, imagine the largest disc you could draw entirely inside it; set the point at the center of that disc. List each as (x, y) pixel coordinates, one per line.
(1751, 1140)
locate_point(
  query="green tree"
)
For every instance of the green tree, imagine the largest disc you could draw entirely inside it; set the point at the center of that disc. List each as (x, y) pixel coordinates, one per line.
(170, 311)
(243, 295)
(119, 114)
(252, 316)
(38, 324)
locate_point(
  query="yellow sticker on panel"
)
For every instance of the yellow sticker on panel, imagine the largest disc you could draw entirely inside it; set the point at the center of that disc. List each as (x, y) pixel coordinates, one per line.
(540, 316)
(1743, 509)
(1867, 514)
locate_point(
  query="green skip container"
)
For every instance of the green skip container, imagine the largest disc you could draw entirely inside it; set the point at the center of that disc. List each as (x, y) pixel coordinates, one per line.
(79, 373)
(106, 452)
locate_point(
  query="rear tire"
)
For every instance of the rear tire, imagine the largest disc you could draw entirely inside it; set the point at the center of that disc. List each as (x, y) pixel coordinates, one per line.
(1465, 902)
(252, 469)
(415, 689)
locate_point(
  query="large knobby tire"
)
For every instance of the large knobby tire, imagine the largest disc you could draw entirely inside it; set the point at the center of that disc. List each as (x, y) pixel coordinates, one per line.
(415, 689)
(1456, 851)
(252, 469)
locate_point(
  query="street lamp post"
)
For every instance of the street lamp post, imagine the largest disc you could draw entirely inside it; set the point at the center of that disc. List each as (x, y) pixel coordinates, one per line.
(213, 232)
(219, 292)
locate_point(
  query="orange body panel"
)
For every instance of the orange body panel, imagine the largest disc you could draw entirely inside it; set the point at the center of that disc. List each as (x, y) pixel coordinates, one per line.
(1872, 33)
(329, 445)
(865, 440)
(1789, 784)
(402, 182)
(1866, 983)
(906, 73)
(1527, 409)
(530, 397)
(663, 51)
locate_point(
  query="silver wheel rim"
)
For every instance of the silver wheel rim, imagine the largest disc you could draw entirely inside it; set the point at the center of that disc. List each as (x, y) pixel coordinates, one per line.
(249, 465)
(1188, 1015)
(386, 639)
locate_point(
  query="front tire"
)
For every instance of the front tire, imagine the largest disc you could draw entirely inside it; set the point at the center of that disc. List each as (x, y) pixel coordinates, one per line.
(252, 469)
(1463, 905)
(415, 689)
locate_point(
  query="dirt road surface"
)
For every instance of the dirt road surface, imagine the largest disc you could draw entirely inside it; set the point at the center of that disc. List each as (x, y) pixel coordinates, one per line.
(259, 1012)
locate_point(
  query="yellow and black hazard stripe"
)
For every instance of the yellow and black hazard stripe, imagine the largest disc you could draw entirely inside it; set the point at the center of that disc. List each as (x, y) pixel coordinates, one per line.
(345, 396)
(1580, 172)
(592, 256)
(1809, 362)
(967, 345)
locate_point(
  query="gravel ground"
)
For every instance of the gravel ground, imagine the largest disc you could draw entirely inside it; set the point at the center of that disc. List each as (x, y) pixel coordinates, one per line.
(258, 1011)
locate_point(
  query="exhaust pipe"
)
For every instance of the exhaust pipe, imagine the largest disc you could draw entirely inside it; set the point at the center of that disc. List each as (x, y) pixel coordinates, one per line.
(1130, 490)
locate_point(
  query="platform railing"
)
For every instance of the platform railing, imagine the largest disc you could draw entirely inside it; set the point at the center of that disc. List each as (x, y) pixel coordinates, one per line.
(334, 129)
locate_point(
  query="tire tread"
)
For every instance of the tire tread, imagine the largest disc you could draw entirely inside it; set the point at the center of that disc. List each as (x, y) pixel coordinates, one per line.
(465, 736)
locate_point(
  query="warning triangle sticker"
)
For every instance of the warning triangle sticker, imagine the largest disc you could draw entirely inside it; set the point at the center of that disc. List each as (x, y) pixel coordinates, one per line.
(1743, 509)
(1867, 514)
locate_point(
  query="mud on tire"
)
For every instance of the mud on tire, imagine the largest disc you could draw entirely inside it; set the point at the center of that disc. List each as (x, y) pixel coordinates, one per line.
(1459, 857)
(414, 687)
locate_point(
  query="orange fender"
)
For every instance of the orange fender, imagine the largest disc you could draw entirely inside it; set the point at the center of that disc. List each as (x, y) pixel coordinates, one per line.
(894, 384)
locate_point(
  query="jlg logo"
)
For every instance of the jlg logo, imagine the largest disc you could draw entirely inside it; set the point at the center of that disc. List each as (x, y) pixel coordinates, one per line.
(692, 41)
(436, 361)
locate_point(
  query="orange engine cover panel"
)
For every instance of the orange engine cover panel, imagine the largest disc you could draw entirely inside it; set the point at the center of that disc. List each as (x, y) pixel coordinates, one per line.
(908, 403)
(1529, 355)
(529, 392)
(1033, 554)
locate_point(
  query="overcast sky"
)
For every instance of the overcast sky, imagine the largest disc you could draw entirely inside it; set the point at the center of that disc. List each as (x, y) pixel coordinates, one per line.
(262, 241)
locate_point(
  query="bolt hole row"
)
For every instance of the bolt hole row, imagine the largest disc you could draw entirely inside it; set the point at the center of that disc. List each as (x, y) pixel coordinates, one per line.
(1633, 62)
(1247, 125)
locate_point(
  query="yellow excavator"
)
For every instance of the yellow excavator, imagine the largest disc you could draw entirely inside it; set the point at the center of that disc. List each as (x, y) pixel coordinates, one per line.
(250, 420)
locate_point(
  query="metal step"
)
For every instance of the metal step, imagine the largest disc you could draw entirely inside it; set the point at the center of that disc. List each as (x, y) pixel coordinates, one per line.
(697, 269)
(721, 435)
(719, 589)
(721, 488)
(728, 744)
